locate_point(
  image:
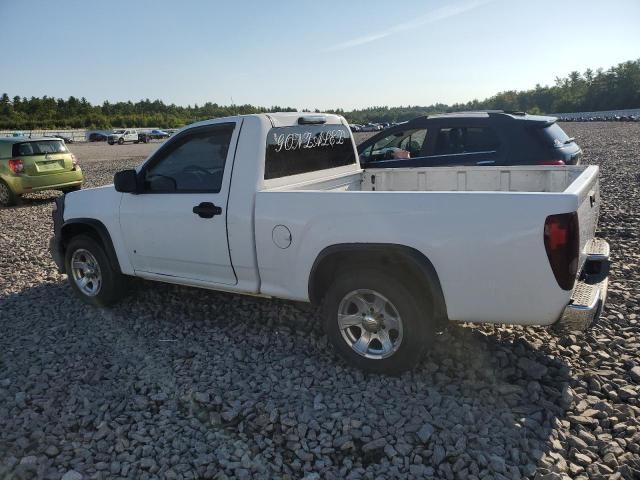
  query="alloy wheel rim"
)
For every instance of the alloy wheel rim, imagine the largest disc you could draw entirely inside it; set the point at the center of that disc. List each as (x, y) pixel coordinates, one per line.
(86, 272)
(370, 324)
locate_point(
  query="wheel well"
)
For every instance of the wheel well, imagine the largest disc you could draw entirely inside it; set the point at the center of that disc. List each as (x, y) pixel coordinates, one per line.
(398, 260)
(95, 230)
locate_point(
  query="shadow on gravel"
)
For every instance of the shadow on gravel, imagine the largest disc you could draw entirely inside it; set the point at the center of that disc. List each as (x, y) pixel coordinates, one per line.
(185, 380)
(28, 200)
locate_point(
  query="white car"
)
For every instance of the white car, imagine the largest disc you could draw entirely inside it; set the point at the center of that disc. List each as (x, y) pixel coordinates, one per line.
(277, 205)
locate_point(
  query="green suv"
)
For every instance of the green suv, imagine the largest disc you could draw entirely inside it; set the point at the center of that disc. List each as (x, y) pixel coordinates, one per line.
(33, 164)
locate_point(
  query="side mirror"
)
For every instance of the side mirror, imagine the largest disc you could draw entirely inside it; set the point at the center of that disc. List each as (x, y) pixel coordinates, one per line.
(126, 181)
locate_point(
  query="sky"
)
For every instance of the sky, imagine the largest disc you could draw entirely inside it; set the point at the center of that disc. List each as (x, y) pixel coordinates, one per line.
(323, 54)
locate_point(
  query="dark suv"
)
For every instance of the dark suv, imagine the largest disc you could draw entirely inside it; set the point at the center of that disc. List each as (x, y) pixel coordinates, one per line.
(471, 138)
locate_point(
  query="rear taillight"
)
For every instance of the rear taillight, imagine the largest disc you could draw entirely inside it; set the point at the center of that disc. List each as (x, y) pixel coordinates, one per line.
(16, 165)
(562, 243)
(551, 162)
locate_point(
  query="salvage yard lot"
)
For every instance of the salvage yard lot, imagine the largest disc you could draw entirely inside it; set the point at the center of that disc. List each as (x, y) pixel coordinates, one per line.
(184, 383)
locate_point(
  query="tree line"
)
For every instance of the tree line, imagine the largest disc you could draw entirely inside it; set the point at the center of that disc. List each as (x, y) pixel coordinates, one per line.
(612, 89)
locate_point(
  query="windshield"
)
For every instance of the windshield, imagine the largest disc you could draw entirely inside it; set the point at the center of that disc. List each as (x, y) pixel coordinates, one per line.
(39, 147)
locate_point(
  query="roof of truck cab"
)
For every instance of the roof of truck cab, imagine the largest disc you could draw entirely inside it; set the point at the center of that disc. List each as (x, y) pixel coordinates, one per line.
(275, 118)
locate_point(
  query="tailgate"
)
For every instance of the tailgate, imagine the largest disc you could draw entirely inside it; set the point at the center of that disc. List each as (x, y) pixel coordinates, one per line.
(587, 188)
(43, 156)
(47, 164)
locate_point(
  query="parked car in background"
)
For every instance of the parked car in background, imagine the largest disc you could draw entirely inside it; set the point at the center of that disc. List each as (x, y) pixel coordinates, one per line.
(127, 135)
(371, 127)
(471, 138)
(277, 205)
(32, 164)
(66, 138)
(158, 135)
(97, 137)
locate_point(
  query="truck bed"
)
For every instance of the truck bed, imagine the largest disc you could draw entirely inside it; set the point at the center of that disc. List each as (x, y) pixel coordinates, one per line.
(472, 223)
(549, 179)
(540, 179)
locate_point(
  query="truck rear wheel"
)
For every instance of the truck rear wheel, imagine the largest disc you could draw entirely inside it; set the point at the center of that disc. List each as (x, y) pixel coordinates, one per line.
(377, 322)
(90, 274)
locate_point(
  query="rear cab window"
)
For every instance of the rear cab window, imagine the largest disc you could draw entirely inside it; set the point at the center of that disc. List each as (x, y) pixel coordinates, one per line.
(38, 147)
(298, 149)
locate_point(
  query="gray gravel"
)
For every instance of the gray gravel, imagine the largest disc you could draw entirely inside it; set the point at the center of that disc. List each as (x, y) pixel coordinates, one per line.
(184, 383)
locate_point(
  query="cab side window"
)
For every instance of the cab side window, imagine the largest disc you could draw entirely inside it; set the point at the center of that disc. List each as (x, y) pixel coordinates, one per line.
(192, 163)
(456, 140)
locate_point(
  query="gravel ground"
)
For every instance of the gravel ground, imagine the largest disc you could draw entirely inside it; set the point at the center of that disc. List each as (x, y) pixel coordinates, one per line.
(185, 383)
(103, 152)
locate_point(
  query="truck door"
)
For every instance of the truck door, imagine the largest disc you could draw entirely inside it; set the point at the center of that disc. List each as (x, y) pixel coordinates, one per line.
(176, 226)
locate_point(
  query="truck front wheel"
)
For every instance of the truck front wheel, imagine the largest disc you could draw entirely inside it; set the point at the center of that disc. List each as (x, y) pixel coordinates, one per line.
(91, 276)
(120, 141)
(377, 322)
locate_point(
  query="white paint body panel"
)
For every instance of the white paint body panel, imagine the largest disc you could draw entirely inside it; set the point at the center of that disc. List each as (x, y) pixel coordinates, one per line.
(481, 227)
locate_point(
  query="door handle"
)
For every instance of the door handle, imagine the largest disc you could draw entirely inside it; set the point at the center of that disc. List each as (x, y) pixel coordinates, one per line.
(485, 162)
(207, 210)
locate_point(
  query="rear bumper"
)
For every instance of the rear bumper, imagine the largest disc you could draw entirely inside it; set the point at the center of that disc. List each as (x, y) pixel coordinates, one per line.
(590, 292)
(20, 184)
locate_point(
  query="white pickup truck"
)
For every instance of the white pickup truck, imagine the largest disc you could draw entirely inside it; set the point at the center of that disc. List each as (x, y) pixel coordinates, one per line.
(277, 205)
(129, 135)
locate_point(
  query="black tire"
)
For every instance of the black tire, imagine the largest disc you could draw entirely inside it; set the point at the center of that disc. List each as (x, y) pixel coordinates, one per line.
(120, 141)
(113, 284)
(7, 197)
(111, 142)
(72, 189)
(415, 311)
